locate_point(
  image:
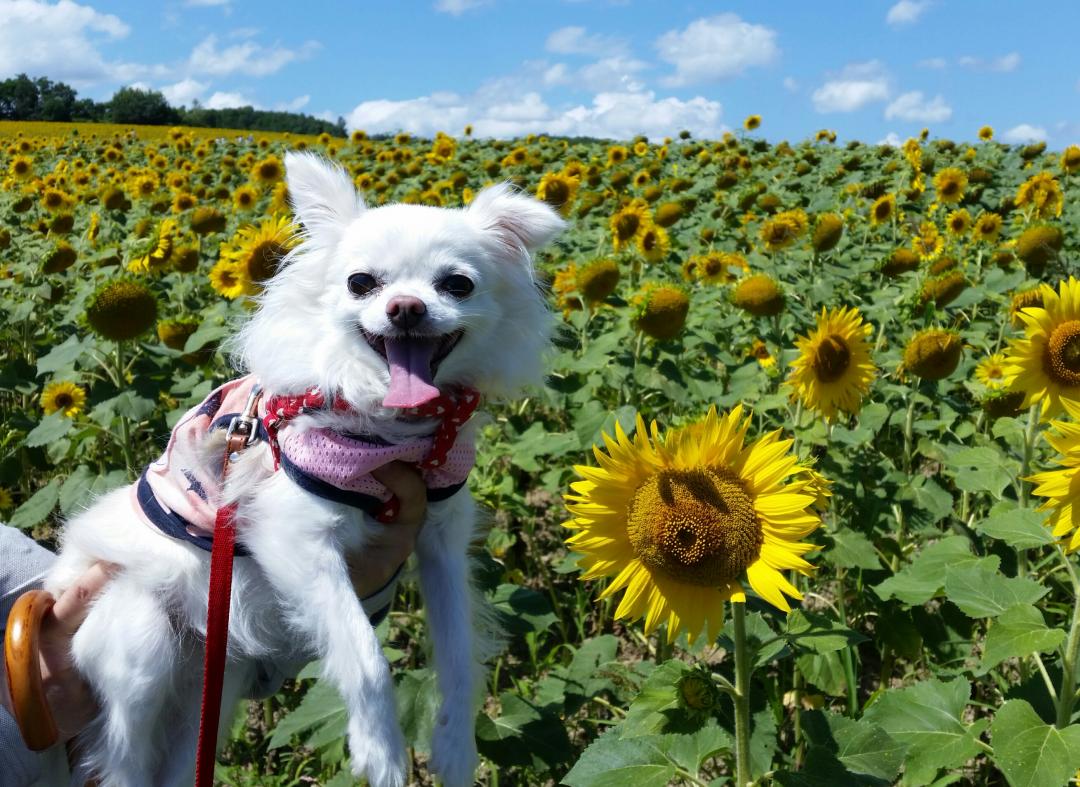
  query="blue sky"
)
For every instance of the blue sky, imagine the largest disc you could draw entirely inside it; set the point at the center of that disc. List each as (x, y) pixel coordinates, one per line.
(868, 70)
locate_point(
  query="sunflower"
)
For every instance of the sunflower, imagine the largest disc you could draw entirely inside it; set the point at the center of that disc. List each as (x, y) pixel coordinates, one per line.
(950, 184)
(629, 221)
(661, 311)
(783, 229)
(718, 267)
(986, 133)
(752, 122)
(680, 520)
(122, 309)
(958, 222)
(833, 371)
(828, 230)
(933, 354)
(21, 167)
(1062, 486)
(760, 351)
(1038, 245)
(153, 253)
(928, 243)
(758, 294)
(1025, 299)
(63, 397)
(1045, 364)
(268, 170)
(258, 251)
(558, 190)
(245, 197)
(598, 279)
(6, 500)
(653, 243)
(617, 154)
(991, 371)
(1041, 196)
(1070, 159)
(229, 280)
(987, 227)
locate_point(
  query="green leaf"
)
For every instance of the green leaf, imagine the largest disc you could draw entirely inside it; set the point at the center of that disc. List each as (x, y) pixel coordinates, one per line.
(76, 489)
(928, 717)
(209, 331)
(982, 591)
(418, 704)
(657, 703)
(522, 610)
(923, 579)
(50, 429)
(1020, 528)
(1018, 631)
(62, 356)
(852, 549)
(38, 507)
(523, 735)
(819, 634)
(1030, 752)
(864, 747)
(824, 670)
(690, 751)
(614, 762)
(979, 469)
(320, 706)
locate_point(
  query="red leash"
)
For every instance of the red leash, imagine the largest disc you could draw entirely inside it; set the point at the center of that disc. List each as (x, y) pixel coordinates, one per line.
(240, 435)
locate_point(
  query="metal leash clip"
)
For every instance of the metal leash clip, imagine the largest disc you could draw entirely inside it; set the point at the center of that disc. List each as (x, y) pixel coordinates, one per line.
(244, 425)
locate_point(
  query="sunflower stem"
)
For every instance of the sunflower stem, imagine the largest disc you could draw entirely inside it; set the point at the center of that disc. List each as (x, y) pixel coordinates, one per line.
(741, 697)
(1067, 695)
(1030, 434)
(848, 656)
(909, 426)
(125, 424)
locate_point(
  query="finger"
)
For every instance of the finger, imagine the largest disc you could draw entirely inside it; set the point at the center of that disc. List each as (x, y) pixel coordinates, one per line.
(408, 486)
(71, 609)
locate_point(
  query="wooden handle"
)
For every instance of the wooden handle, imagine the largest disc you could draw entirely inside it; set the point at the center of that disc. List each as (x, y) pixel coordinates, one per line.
(28, 702)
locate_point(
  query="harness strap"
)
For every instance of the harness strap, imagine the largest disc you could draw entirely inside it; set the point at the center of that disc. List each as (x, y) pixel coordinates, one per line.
(241, 434)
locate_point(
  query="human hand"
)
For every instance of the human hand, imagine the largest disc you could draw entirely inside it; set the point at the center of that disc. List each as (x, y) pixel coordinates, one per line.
(374, 566)
(70, 700)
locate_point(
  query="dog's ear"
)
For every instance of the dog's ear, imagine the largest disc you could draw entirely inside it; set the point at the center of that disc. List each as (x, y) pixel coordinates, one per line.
(518, 222)
(322, 195)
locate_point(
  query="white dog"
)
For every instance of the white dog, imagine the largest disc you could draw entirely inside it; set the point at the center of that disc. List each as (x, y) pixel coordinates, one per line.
(379, 309)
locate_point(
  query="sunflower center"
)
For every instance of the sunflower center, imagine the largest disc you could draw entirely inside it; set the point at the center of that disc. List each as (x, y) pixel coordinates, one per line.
(63, 401)
(626, 226)
(1063, 353)
(831, 359)
(696, 526)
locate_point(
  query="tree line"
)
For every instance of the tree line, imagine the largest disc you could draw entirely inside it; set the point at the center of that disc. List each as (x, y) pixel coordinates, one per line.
(23, 98)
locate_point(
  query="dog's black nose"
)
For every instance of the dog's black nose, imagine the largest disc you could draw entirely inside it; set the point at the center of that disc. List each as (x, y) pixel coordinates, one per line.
(405, 311)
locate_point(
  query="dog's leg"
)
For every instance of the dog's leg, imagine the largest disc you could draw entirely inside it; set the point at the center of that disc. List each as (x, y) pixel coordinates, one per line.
(293, 541)
(444, 580)
(127, 650)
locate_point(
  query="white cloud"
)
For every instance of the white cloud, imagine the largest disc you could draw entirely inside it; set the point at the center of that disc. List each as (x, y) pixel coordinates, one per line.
(295, 105)
(892, 139)
(716, 48)
(933, 62)
(914, 107)
(248, 57)
(1025, 132)
(791, 84)
(458, 7)
(184, 92)
(906, 12)
(854, 87)
(225, 100)
(613, 73)
(62, 42)
(575, 41)
(206, 3)
(1004, 64)
(615, 115)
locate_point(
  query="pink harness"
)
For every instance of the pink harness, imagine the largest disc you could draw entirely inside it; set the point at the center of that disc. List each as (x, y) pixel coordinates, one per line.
(179, 493)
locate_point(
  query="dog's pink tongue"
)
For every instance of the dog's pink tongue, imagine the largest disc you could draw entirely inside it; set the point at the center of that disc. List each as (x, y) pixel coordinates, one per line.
(410, 372)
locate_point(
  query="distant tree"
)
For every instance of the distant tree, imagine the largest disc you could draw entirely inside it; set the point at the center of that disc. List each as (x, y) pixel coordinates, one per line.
(56, 100)
(148, 107)
(19, 98)
(86, 109)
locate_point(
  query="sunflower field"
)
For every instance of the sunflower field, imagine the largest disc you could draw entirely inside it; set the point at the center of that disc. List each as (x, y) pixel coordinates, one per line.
(795, 505)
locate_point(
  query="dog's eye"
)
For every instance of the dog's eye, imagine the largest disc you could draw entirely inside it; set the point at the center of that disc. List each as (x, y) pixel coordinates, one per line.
(362, 284)
(457, 285)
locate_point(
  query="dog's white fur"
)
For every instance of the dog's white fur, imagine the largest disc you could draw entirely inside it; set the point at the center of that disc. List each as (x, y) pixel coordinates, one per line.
(141, 646)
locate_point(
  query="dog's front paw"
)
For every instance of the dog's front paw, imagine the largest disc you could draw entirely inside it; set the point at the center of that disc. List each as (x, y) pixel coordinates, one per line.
(378, 752)
(453, 751)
